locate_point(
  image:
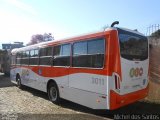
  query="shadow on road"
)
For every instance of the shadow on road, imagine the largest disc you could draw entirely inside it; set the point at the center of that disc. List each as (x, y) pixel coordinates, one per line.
(140, 107)
(5, 81)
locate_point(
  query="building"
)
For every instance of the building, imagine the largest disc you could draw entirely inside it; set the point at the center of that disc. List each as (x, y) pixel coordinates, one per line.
(5, 56)
(10, 46)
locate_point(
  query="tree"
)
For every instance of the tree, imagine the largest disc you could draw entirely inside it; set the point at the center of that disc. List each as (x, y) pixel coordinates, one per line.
(40, 38)
(48, 37)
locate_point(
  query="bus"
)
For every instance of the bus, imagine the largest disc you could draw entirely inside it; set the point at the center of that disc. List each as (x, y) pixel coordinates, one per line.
(4, 62)
(2, 52)
(102, 70)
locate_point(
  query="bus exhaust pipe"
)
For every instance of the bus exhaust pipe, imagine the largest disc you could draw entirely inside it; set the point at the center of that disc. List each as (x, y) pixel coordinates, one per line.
(114, 23)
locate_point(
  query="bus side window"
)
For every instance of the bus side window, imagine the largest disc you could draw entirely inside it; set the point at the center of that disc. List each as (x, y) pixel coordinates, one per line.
(89, 53)
(18, 58)
(96, 53)
(36, 54)
(34, 57)
(61, 55)
(79, 54)
(45, 56)
(25, 58)
(13, 59)
(32, 53)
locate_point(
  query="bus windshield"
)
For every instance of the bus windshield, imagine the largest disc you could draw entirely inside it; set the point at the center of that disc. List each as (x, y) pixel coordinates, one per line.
(133, 46)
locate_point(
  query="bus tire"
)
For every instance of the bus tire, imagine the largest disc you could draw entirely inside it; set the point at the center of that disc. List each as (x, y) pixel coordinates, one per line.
(18, 79)
(53, 93)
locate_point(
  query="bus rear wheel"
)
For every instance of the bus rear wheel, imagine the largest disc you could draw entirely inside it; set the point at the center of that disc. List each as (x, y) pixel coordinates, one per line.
(53, 93)
(18, 79)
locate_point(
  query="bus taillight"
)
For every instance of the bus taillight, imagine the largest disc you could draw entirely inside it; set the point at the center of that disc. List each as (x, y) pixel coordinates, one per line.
(117, 82)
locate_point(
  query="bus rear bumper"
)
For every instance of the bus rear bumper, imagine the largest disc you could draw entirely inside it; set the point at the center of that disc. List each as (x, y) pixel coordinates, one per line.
(117, 101)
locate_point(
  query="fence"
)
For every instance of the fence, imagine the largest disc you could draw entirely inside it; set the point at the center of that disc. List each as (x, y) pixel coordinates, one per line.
(154, 77)
(152, 28)
(154, 53)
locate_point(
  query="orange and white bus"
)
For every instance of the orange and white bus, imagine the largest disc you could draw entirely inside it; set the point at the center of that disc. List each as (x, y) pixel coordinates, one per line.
(103, 70)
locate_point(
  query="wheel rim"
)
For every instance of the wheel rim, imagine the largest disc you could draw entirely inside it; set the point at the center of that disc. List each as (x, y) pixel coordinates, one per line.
(53, 93)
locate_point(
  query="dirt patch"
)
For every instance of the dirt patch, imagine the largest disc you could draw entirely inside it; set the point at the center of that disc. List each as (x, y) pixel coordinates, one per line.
(29, 104)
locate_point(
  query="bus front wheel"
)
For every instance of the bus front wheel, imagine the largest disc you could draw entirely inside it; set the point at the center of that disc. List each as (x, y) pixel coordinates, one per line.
(53, 93)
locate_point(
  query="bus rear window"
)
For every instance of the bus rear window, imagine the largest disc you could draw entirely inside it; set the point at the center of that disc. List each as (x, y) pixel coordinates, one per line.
(133, 46)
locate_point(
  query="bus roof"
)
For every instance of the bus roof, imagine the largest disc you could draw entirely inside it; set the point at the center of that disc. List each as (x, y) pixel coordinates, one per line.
(70, 39)
(65, 40)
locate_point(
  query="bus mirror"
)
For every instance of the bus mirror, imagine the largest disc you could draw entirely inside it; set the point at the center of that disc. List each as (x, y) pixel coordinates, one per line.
(114, 23)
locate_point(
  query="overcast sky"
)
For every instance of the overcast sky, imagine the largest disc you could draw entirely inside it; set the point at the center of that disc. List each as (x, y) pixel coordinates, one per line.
(20, 19)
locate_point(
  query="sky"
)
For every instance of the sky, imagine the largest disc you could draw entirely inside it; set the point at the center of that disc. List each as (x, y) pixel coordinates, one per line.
(20, 19)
